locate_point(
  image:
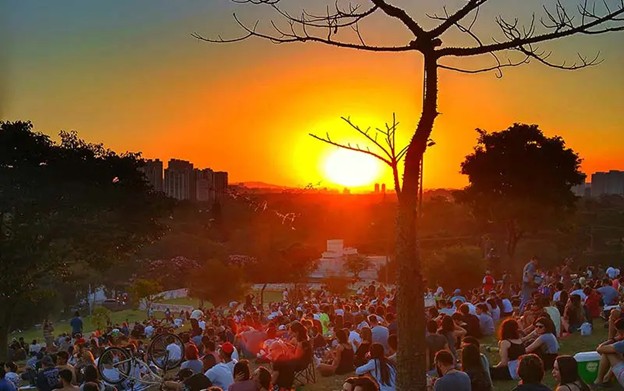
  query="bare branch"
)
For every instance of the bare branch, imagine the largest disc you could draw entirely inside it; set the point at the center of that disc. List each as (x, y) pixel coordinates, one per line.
(497, 68)
(396, 12)
(327, 140)
(309, 27)
(451, 20)
(560, 23)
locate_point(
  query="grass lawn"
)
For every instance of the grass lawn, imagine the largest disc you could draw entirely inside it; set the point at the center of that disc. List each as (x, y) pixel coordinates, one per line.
(130, 316)
(62, 326)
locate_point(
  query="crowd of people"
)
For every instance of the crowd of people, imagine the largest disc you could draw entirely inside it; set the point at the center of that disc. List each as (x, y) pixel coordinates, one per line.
(249, 348)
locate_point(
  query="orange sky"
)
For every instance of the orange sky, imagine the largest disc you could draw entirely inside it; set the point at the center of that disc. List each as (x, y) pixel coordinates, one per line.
(130, 76)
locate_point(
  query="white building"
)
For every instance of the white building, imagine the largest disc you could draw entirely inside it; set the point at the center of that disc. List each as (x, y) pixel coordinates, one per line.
(332, 262)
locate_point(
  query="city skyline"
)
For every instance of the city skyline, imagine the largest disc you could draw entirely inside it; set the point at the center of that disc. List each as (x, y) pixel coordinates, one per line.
(129, 75)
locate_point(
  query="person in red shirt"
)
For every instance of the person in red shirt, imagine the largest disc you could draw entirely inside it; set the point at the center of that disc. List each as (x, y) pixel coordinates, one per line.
(488, 282)
(592, 302)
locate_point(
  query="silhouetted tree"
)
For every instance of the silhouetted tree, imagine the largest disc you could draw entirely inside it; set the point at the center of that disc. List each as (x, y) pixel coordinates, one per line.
(145, 292)
(356, 264)
(62, 203)
(217, 283)
(341, 25)
(521, 180)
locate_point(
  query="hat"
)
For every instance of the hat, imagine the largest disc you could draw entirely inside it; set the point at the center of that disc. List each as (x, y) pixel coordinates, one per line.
(457, 291)
(227, 348)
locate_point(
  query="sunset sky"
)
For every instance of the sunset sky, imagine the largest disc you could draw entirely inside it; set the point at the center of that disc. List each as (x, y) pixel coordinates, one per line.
(129, 74)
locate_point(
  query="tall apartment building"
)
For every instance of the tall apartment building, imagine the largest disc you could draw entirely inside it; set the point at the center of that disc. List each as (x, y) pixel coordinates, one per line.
(153, 171)
(607, 183)
(204, 181)
(180, 180)
(220, 182)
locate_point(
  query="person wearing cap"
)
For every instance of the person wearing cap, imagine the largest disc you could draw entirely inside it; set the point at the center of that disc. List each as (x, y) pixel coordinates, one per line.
(222, 374)
(48, 377)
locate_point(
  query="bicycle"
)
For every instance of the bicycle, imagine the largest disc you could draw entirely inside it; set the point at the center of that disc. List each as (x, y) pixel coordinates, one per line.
(118, 365)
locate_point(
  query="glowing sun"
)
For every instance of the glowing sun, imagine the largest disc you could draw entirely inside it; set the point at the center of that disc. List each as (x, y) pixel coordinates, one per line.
(350, 168)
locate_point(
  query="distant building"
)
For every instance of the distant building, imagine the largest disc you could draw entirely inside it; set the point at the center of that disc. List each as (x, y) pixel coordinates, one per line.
(607, 183)
(180, 180)
(205, 185)
(383, 188)
(331, 262)
(153, 171)
(376, 188)
(220, 182)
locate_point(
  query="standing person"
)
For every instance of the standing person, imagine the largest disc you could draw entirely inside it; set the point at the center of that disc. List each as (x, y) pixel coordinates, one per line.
(531, 372)
(48, 337)
(565, 371)
(76, 325)
(566, 278)
(488, 282)
(450, 378)
(528, 282)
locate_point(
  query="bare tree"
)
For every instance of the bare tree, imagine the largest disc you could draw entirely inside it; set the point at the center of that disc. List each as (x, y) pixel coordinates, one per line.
(341, 25)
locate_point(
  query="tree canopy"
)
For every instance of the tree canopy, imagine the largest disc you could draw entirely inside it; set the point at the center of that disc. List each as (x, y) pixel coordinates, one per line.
(62, 203)
(521, 180)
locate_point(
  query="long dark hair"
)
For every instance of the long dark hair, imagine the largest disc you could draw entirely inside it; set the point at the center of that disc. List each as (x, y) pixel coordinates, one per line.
(568, 370)
(509, 329)
(385, 365)
(471, 358)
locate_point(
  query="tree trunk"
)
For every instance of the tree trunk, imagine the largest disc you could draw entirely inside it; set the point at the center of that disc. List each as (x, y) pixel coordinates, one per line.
(412, 366)
(262, 298)
(5, 328)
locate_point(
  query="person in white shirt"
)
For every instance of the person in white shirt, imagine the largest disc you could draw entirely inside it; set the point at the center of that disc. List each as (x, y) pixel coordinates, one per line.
(149, 331)
(222, 374)
(354, 337)
(174, 352)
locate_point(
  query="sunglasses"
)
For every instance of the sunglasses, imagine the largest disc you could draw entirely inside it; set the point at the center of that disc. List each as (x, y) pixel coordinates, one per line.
(539, 326)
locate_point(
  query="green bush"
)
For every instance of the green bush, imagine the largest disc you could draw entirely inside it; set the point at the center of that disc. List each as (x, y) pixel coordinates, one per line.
(338, 285)
(454, 267)
(101, 317)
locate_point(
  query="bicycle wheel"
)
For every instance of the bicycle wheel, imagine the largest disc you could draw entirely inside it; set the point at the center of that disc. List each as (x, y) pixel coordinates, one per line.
(166, 351)
(114, 365)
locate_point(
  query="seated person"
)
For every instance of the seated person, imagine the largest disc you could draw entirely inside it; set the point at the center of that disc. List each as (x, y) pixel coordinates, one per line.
(472, 326)
(545, 344)
(531, 373)
(342, 357)
(573, 314)
(511, 348)
(486, 322)
(611, 356)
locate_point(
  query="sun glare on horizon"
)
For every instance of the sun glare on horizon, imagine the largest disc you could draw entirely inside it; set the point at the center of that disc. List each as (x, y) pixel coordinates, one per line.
(351, 168)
